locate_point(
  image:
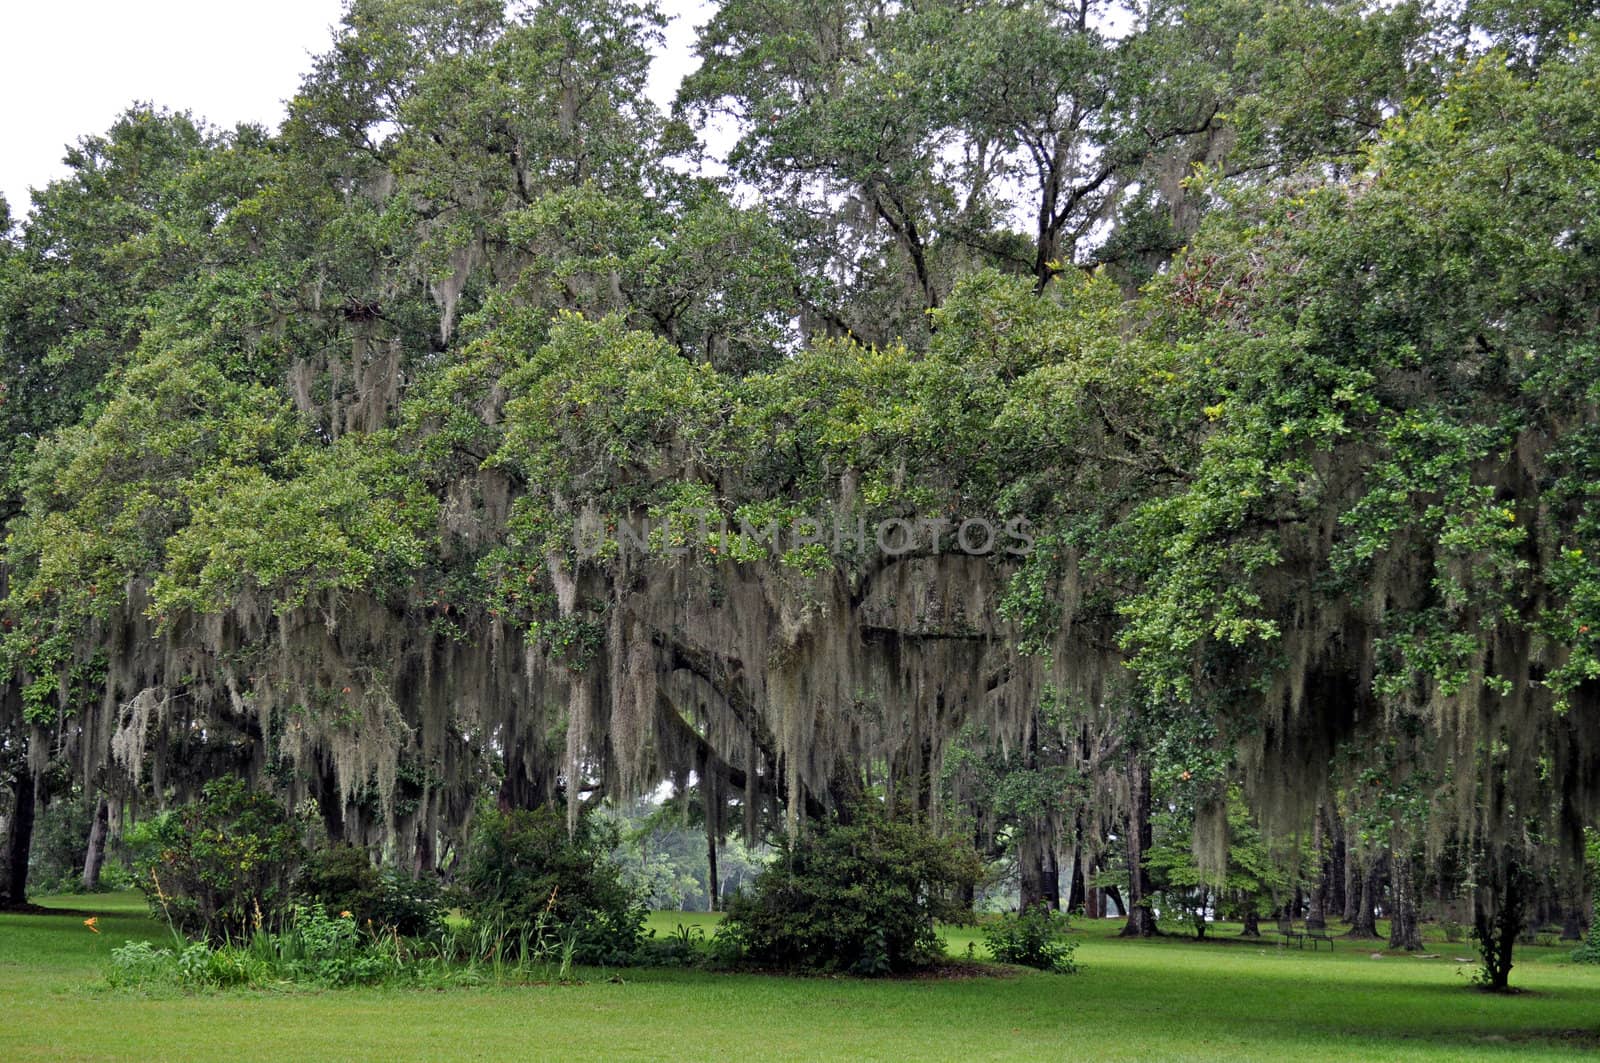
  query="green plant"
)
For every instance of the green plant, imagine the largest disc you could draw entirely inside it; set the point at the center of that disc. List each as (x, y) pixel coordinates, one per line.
(858, 894)
(1035, 938)
(1589, 951)
(342, 878)
(525, 872)
(220, 866)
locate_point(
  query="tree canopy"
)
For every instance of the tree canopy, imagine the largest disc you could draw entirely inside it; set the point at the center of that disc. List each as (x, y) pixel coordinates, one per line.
(472, 433)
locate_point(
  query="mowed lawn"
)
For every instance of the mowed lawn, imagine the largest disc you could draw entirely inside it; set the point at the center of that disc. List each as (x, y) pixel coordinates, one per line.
(1167, 999)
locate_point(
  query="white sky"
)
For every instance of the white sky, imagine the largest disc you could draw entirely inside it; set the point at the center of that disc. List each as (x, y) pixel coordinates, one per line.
(69, 67)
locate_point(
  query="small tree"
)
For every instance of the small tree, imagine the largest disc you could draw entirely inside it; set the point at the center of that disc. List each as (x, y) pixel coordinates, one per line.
(859, 894)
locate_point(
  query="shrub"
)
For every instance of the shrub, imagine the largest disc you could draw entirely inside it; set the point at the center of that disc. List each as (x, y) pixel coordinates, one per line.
(220, 866)
(1036, 938)
(525, 872)
(858, 895)
(1589, 951)
(342, 879)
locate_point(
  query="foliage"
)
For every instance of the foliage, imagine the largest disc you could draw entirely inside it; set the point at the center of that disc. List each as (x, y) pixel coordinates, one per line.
(220, 867)
(342, 878)
(1589, 951)
(1250, 875)
(857, 894)
(1036, 937)
(662, 853)
(60, 846)
(1274, 321)
(313, 948)
(524, 871)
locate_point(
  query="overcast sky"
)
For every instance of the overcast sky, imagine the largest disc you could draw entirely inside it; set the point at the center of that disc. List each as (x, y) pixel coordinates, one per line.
(70, 66)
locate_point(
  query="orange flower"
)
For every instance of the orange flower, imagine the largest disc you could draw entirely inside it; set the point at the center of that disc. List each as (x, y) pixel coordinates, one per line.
(90, 923)
(344, 914)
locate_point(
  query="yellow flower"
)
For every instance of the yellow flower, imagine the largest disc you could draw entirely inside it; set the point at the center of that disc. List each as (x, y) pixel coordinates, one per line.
(90, 923)
(344, 914)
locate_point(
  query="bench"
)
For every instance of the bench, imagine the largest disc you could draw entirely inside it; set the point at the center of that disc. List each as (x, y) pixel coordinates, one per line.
(1316, 933)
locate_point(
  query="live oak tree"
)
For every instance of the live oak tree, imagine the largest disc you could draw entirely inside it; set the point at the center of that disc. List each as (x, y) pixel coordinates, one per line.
(450, 441)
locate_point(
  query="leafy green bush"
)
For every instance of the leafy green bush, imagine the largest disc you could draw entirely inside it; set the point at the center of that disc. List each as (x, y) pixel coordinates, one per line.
(220, 867)
(1036, 938)
(524, 871)
(1589, 951)
(858, 895)
(342, 879)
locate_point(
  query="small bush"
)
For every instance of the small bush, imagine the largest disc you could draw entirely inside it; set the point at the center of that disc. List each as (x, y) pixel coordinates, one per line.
(342, 879)
(220, 866)
(1036, 938)
(860, 895)
(525, 874)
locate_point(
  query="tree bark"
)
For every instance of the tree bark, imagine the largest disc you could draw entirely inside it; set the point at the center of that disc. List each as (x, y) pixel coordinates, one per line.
(1404, 933)
(1353, 876)
(713, 894)
(1317, 914)
(1252, 921)
(1572, 924)
(1337, 859)
(1076, 882)
(1036, 865)
(19, 841)
(1365, 924)
(95, 855)
(1141, 916)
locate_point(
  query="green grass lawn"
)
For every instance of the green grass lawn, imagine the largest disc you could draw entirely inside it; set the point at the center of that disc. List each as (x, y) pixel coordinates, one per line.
(1166, 999)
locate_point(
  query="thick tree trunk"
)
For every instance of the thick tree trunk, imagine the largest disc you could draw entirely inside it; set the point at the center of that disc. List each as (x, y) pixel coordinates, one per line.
(1354, 874)
(95, 854)
(1317, 914)
(1036, 865)
(1572, 924)
(1076, 884)
(1252, 921)
(1404, 933)
(19, 841)
(1365, 924)
(1337, 858)
(1141, 916)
